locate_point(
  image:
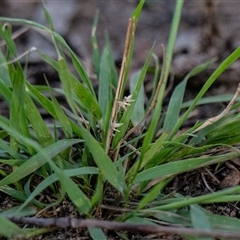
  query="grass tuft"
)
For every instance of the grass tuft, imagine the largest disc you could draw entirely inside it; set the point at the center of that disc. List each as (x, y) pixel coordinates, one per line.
(98, 147)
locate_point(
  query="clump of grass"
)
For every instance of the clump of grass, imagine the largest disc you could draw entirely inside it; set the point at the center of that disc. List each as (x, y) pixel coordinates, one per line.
(90, 150)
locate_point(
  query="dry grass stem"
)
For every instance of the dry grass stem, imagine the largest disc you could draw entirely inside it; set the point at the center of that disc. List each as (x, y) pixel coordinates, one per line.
(149, 109)
(126, 55)
(222, 114)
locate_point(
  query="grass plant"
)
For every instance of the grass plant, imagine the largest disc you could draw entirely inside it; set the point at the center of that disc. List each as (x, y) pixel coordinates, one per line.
(89, 151)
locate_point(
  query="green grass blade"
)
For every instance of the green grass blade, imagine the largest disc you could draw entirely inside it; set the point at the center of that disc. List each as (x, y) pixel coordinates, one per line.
(27, 211)
(37, 160)
(39, 126)
(138, 10)
(175, 103)
(6, 34)
(103, 161)
(5, 92)
(76, 195)
(10, 151)
(63, 119)
(138, 110)
(96, 54)
(17, 102)
(79, 67)
(219, 196)
(153, 193)
(104, 82)
(67, 86)
(229, 134)
(13, 193)
(97, 233)
(53, 178)
(199, 220)
(158, 107)
(212, 99)
(9, 229)
(223, 66)
(148, 156)
(169, 169)
(48, 105)
(128, 113)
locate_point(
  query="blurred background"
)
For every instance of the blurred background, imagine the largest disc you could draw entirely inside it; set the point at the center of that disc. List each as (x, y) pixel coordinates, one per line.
(208, 28)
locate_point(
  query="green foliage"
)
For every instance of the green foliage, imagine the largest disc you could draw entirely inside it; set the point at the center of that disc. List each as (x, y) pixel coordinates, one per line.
(84, 154)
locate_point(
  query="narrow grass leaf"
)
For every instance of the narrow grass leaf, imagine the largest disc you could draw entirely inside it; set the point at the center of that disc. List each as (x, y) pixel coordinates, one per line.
(103, 161)
(148, 156)
(227, 134)
(153, 193)
(79, 67)
(78, 172)
(175, 103)
(8, 150)
(17, 101)
(96, 54)
(225, 223)
(5, 91)
(97, 233)
(6, 34)
(39, 126)
(172, 168)
(138, 10)
(199, 220)
(37, 160)
(222, 67)
(13, 193)
(27, 211)
(48, 105)
(128, 112)
(104, 82)
(164, 77)
(203, 199)
(67, 86)
(61, 116)
(86, 97)
(76, 195)
(9, 229)
(211, 99)
(138, 110)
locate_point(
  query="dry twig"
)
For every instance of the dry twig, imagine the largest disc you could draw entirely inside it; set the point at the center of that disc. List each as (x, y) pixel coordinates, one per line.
(222, 114)
(120, 226)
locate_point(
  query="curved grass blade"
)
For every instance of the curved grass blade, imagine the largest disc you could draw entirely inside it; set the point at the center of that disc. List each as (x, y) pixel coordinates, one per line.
(175, 103)
(37, 160)
(172, 168)
(48, 105)
(53, 178)
(223, 66)
(13, 193)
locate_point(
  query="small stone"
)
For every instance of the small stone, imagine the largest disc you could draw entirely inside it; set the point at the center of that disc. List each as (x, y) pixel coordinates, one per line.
(231, 180)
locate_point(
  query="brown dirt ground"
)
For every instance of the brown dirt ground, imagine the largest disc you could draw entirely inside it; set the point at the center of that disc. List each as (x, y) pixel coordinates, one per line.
(203, 34)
